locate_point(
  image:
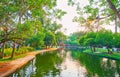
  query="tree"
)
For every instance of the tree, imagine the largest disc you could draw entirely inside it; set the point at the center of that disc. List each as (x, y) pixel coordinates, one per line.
(20, 19)
(96, 13)
(60, 37)
(74, 37)
(116, 40)
(89, 40)
(81, 40)
(49, 39)
(113, 7)
(36, 41)
(107, 40)
(53, 27)
(100, 39)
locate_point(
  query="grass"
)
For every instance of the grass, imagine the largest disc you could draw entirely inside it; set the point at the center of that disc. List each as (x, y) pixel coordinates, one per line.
(18, 54)
(103, 53)
(7, 59)
(22, 50)
(98, 50)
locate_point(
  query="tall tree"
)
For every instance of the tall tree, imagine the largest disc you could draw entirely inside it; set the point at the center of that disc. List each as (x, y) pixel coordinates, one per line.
(49, 39)
(96, 13)
(20, 19)
(113, 7)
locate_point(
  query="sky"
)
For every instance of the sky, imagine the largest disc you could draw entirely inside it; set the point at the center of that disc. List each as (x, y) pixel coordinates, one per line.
(68, 25)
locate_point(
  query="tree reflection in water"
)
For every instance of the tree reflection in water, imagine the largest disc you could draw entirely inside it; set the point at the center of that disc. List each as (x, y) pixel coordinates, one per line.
(69, 64)
(48, 65)
(96, 66)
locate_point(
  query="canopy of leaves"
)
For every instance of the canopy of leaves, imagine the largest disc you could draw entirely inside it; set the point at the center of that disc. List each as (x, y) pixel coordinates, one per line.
(49, 39)
(101, 38)
(97, 11)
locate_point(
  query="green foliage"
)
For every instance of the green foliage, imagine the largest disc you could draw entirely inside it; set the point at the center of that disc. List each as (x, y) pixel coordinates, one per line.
(36, 41)
(81, 40)
(98, 50)
(74, 38)
(116, 39)
(93, 11)
(49, 39)
(10, 59)
(60, 37)
(89, 42)
(101, 38)
(59, 13)
(8, 52)
(97, 11)
(24, 22)
(22, 50)
(107, 40)
(53, 27)
(88, 39)
(71, 2)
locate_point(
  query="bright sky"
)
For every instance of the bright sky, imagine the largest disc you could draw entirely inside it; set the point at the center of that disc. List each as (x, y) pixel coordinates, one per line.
(67, 18)
(68, 25)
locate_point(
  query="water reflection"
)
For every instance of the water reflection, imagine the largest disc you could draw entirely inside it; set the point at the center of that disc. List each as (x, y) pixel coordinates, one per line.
(26, 71)
(69, 64)
(98, 67)
(47, 65)
(71, 67)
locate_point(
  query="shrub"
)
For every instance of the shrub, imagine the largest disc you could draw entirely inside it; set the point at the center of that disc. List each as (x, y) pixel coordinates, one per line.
(7, 51)
(21, 50)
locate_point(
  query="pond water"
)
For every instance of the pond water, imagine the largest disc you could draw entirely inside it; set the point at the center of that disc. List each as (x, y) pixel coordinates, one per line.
(69, 64)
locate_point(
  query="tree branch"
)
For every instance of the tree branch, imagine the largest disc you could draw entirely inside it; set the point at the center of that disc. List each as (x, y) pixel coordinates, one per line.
(104, 17)
(112, 6)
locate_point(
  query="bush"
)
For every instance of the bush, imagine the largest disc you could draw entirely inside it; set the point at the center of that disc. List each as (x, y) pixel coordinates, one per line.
(21, 50)
(7, 51)
(24, 50)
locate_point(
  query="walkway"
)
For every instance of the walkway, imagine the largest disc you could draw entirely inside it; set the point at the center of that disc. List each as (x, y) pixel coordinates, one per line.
(8, 68)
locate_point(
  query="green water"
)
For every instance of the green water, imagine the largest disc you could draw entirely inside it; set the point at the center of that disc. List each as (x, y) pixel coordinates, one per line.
(69, 64)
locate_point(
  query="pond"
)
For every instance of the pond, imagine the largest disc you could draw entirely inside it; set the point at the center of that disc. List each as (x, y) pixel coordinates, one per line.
(69, 64)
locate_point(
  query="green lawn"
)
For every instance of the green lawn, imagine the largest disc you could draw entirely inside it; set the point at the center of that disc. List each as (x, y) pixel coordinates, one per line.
(103, 53)
(6, 59)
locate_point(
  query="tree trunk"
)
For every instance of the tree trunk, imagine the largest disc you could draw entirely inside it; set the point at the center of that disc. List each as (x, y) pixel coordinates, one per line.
(2, 50)
(13, 51)
(91, 48)
(18, 47)
(112, 6)
(109, 52)
(115, 24)
(94, 50)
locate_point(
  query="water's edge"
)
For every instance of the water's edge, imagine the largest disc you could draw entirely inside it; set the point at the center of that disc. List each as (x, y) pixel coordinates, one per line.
(17, 64)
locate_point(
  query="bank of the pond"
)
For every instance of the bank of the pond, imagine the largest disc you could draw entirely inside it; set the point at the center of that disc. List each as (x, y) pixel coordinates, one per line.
(7, 68)
(103, 53)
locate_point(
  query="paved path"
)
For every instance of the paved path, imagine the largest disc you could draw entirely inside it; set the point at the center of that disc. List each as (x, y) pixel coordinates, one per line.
(7, 68)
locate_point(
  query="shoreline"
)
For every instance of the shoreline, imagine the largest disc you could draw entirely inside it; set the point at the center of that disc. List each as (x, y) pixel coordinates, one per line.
(7, 68)
(109, 56)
